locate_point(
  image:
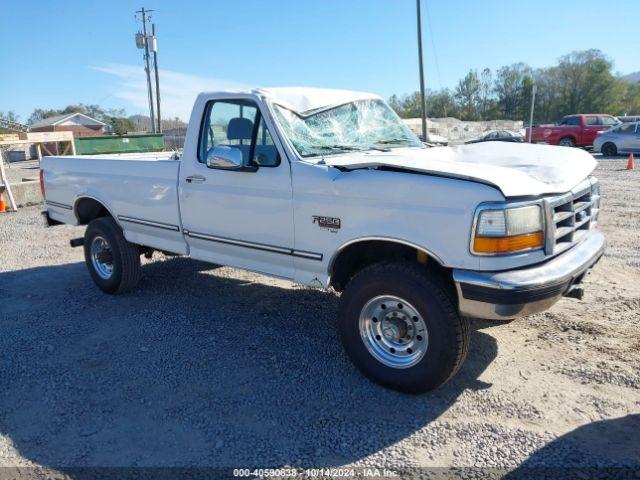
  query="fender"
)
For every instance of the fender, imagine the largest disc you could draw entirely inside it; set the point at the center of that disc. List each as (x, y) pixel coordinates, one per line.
(400, 241)
(107, 207)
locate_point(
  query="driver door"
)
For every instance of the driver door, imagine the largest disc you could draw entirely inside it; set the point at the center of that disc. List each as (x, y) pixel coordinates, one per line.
(237, 215)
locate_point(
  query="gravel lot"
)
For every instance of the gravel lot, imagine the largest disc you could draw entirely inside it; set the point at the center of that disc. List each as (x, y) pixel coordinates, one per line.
(205, 366)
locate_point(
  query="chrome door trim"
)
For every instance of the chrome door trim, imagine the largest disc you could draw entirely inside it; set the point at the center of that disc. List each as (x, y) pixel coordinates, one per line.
(59, 205)
(254, 245)
(149, 223)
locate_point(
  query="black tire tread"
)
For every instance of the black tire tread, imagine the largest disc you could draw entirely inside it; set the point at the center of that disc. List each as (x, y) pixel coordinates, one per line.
(610, 149)
(129, 253)
(573, 142)
(421, 277)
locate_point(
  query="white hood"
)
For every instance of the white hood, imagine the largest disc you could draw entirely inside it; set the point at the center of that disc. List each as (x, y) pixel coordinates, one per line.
(516, 169)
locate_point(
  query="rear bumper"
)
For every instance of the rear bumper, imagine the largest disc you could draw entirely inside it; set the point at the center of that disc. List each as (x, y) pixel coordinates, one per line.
(516, 293)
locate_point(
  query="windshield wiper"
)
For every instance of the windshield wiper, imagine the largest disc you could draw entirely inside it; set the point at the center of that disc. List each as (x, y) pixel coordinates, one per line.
(336, 147)
(350, 148)
(393, 141)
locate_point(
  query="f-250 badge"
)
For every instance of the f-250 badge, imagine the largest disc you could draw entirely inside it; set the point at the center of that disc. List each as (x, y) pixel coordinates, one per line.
(330, 223)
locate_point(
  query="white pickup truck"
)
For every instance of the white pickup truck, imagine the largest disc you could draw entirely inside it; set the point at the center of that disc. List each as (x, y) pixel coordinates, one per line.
(329, 188)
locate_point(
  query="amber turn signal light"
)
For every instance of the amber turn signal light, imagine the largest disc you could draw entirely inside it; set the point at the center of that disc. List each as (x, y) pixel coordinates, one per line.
(508, 244)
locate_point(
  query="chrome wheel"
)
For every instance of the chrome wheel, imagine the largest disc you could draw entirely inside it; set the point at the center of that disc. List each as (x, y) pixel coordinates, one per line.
(393, 331)
(101, 258)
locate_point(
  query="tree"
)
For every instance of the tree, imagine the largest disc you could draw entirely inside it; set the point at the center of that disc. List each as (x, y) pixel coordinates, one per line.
(510, 88)
(488, 106)
(581, 82)
(40, 114)
(396, 104)
(10, 115)
(441, 104)
(468, 95)
(630, 101)
(121, 125)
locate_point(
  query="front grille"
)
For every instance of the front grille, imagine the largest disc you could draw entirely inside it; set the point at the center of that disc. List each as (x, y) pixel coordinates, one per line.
(571, 216)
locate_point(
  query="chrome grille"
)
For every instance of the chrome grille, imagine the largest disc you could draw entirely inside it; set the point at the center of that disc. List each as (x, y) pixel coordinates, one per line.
(571, 216)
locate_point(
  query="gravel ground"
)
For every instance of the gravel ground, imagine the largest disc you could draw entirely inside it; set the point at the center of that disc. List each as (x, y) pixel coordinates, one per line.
(206, 366)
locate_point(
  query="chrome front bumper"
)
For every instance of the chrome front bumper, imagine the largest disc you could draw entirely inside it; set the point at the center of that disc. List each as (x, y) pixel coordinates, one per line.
(529, 290)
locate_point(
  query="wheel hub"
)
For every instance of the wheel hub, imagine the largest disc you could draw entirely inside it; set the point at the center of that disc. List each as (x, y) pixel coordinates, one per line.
(101, 257)
(393, 331)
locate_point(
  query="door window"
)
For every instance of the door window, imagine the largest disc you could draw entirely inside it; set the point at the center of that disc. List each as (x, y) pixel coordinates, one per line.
(265, 153)
(591, 120)
(627, 129)
(608, 121)
(570, 121)
(237, 124)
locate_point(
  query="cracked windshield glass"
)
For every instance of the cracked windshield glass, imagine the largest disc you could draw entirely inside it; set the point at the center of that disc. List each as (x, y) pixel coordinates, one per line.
(357, 126)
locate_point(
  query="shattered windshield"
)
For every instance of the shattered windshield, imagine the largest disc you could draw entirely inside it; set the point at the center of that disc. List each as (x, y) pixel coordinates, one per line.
(360, 125)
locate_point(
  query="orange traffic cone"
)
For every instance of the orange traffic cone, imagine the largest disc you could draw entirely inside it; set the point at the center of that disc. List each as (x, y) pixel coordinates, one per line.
(3, 204)
(630, 162)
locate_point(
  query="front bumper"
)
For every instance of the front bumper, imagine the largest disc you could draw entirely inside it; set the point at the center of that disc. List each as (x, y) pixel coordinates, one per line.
(529, 290)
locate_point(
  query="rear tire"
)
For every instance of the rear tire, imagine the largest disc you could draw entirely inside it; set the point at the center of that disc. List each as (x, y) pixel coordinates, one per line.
(609, 149)
(113, 262)
(567, 142)
(401, 328)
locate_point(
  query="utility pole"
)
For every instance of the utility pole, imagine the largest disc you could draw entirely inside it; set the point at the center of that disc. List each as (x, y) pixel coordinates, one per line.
(533, 103)
(423, 106)
(154, 47)
(143, 43)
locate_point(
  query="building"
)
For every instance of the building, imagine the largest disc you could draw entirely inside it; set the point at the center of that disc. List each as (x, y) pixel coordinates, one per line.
(80, 124)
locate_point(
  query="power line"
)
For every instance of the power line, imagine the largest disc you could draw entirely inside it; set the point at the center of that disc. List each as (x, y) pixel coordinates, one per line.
(433, 42)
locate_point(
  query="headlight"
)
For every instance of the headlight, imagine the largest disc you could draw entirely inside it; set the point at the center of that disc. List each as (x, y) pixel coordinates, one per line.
(508, 230)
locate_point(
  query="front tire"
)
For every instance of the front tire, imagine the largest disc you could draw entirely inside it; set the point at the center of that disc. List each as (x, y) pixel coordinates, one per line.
(113, 262)
(609, 149)
(401, 328)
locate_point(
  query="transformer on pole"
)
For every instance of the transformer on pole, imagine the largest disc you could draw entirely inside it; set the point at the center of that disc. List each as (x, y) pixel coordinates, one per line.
(147, 42)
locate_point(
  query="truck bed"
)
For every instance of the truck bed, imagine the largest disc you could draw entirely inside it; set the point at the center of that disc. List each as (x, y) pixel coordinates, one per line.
(133, 186)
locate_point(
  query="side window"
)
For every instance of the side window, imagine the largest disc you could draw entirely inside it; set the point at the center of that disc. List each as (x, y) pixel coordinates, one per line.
(228, 123)
(608, 121)
(591, 120)
(232, 124)
(570, 121)
(265, 153)
(628, 129)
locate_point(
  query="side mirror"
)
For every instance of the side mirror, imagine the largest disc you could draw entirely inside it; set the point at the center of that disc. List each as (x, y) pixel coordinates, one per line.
(224, 157)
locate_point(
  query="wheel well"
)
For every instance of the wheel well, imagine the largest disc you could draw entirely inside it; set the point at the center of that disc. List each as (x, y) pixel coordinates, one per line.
(356, 256)
(570, 137)
(87, 209)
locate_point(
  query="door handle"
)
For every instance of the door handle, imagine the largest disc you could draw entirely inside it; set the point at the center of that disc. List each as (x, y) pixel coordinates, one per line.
(195, 179)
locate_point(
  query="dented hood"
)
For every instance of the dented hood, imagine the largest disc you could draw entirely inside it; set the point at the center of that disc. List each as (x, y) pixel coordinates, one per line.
(516, 169)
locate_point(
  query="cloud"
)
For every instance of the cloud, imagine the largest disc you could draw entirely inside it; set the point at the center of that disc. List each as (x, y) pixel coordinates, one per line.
(177, 90)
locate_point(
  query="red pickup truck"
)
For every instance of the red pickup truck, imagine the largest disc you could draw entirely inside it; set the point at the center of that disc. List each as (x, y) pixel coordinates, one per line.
(573, 130)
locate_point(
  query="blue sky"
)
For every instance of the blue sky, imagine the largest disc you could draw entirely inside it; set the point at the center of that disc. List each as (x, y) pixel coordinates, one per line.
(54, 53)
